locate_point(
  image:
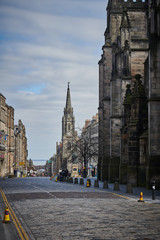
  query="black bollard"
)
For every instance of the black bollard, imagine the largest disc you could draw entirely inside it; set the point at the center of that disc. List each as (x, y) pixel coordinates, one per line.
(153, 190)
(96, 183)
(116, 186)
(105, 185)
(81, 181)
(76, 181)
(129, 188)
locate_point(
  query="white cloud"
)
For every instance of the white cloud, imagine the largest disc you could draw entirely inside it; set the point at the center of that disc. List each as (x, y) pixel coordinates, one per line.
(44, 45)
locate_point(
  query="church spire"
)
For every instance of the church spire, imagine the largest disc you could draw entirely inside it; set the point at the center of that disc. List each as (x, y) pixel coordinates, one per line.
(68, 99)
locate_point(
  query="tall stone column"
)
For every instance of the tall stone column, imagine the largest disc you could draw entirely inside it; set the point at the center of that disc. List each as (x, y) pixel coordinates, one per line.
(104, 110)
(154, 93)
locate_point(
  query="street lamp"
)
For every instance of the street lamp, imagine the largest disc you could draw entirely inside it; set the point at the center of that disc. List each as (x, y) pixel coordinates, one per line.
(16, 133)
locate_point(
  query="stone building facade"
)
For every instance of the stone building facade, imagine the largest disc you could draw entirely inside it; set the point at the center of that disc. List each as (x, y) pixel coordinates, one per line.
(58, 157)
(152, 78)
(68, 133)
(90, 133)
(6, 137)
(21, 152)
(129, 93)
(54, 169)
(63, 157)
(13, 142)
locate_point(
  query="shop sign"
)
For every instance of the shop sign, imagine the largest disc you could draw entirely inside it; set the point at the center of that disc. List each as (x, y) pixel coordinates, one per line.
(21, 163)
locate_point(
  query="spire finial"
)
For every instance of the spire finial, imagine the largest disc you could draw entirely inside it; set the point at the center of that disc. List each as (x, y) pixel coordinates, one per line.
(68, 99)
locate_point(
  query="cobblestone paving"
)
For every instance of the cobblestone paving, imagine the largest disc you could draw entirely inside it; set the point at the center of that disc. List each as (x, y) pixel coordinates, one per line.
(59, 211)
(44, 195)
(92, 218)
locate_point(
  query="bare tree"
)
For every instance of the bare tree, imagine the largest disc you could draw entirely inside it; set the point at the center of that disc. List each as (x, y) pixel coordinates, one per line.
(85, 148)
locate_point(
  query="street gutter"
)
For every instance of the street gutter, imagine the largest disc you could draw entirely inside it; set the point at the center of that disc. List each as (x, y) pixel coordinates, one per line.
(20, 230)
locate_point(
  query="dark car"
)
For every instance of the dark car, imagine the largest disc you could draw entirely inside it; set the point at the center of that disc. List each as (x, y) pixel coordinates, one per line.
(63, 173)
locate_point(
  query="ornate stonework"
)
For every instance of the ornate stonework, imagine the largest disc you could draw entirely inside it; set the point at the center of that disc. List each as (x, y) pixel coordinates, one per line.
(128, 106)
(68, 133)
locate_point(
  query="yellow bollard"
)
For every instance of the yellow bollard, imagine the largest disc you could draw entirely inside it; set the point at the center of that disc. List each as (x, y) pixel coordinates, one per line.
(6, 216)
(88, 185)
(141, 197)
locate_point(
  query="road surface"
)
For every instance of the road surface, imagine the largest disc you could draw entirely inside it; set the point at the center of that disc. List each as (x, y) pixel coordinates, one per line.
(63, 211)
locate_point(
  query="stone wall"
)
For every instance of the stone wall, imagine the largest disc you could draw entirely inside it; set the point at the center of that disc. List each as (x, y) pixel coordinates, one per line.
(125, 54)
(7, 146)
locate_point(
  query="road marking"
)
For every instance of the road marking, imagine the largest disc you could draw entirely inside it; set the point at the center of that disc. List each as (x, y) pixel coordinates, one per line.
(17, 224)
(35, 187)
(154, 204)
(41, 189)
(122, 196)
(128, 198)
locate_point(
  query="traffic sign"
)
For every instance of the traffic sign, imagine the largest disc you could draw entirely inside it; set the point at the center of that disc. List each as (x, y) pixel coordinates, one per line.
(21, 163)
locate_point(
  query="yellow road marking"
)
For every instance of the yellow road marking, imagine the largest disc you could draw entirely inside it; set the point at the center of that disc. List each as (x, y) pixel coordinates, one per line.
(128, 198)
(152, 204)
(17, 224)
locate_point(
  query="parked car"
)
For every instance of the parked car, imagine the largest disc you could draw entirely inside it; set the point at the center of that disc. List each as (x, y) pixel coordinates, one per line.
(63, 173)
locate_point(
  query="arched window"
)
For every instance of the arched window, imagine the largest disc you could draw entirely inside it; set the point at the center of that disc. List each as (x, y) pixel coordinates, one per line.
(68, 146)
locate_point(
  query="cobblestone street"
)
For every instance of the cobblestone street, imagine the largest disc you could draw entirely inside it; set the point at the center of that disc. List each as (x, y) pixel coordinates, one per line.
(64, 211)
(74, 218)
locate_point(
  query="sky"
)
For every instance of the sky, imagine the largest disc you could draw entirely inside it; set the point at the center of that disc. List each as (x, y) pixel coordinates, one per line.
(44, 44)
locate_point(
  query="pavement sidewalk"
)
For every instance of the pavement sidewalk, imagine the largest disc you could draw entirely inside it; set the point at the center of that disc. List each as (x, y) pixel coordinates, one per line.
(147, 194)
(7, 231)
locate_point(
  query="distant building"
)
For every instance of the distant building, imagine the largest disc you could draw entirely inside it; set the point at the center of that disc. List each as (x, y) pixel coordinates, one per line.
(54, 164)
(51, 166)
(7, 144)
(63, 158)
(30, 163)
(90, 132)
(58, 158)
(21, 152)
(13, 142)
(48, 167)
(68, 133)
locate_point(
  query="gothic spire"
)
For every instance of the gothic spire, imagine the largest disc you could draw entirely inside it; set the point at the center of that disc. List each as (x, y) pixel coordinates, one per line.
(125, 20)
(138, 88)
(68, 99)
(127, 98)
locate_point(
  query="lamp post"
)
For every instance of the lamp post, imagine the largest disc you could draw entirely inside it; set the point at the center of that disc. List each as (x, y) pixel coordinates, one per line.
(16, 133)
(153, 190)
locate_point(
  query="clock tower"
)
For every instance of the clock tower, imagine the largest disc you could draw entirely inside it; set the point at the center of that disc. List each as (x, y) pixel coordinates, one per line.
(68, 132)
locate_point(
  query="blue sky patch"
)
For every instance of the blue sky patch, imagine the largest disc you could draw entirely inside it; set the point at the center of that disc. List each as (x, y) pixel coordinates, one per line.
(35, 88)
